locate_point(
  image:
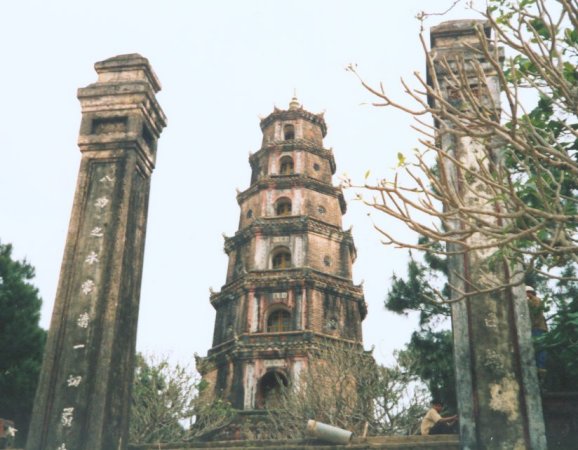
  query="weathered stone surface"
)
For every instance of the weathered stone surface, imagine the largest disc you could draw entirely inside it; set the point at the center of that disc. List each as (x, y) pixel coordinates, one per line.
(561, 417)
(83, 397)
(498, 396)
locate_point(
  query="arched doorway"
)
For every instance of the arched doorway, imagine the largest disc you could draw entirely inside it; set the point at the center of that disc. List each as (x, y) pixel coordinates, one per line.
(271, 387)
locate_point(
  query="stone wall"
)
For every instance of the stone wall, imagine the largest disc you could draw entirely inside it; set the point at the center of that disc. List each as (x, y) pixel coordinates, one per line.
(445, 442)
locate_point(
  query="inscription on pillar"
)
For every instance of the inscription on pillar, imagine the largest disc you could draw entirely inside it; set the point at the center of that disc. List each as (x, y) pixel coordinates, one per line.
(83, 398)
(83, 305)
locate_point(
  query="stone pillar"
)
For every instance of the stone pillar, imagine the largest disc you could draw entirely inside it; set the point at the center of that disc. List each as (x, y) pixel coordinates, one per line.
(498, 395)
(83, 397)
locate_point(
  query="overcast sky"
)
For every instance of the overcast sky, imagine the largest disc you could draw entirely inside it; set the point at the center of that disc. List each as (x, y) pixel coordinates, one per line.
(222, 65)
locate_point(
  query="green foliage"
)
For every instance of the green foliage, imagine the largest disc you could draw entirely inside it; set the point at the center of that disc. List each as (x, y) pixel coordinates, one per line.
(429, 354)
(543, 153)
(415, 294)
(561, 341)
(21, 340)
(528, 207)
(535, 220)
(546, 181)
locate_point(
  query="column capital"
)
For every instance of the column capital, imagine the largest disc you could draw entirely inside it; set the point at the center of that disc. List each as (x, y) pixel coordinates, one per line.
(127, 68)
(120, 111)
(456, 33)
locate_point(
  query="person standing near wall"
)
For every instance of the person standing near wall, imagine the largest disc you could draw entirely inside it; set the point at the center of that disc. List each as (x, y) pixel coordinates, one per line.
(539, 327)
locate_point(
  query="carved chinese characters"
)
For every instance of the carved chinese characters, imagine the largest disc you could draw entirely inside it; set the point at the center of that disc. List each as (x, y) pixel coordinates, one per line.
(97, 219)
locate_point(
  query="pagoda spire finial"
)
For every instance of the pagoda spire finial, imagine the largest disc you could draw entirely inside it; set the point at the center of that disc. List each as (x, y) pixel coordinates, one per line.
(294, 104)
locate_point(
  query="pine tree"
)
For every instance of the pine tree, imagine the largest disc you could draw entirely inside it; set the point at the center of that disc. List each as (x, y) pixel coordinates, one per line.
(429, 354)
(21, 340)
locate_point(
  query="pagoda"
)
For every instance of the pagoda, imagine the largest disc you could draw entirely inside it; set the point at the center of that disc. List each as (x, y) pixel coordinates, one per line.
(289, 285)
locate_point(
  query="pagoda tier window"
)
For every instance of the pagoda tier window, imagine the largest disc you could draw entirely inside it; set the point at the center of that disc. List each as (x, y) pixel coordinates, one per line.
(279, 321)
(281, 258)
(289, 132)
(286, 166)
(283, 207)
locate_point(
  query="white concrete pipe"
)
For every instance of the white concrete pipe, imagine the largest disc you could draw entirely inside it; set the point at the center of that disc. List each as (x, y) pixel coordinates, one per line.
(328, 433)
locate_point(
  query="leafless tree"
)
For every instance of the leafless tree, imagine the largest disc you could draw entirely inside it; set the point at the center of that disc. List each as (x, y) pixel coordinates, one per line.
(344, 387)
(168, 403)
(525, 165)
(341, 386)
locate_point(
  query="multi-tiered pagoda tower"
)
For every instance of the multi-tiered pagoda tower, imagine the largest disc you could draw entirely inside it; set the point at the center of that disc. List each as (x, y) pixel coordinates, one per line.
(289, 286)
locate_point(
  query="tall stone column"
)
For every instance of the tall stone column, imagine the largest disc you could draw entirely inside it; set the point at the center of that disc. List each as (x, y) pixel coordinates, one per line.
(498, 395)
(83, 397)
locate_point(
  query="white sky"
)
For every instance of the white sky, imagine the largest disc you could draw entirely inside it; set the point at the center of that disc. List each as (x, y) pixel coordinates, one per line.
(222, 64)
